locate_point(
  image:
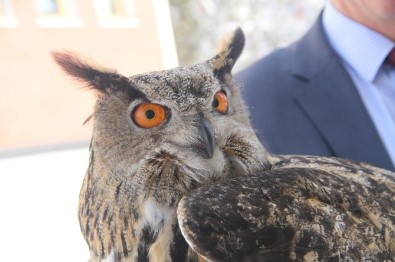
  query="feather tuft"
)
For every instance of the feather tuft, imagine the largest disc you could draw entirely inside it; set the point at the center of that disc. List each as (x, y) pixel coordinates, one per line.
(230, 50)
(103, 80)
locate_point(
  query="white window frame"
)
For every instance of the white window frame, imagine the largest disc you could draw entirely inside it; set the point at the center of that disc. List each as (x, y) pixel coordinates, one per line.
(7, 18)
(67, 18)
(105, 19)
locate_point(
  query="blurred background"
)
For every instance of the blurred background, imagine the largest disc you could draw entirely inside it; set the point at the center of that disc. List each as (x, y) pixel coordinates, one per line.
(43, 144)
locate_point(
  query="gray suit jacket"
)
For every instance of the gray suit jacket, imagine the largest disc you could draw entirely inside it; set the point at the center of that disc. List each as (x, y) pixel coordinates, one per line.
(302, 101)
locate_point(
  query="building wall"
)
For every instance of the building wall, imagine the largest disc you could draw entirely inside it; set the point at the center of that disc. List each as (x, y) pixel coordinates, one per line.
(39, 105)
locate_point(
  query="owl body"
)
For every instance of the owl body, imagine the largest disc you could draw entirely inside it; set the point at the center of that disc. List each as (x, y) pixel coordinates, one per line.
(140, 169)
(302, 208)
(176, 173)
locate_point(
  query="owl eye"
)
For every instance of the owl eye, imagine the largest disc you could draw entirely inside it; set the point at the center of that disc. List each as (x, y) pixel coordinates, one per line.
(148, 115)
(220, 102)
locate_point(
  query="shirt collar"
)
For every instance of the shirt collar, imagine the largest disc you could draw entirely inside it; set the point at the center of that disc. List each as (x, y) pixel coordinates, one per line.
(360, 47)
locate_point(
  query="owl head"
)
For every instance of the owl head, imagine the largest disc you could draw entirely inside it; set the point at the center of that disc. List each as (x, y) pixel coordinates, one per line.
(176, 128)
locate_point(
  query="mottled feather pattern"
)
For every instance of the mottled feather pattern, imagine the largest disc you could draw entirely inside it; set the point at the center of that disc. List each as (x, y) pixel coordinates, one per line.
(198, 185)
(304, 208)
(118, 216)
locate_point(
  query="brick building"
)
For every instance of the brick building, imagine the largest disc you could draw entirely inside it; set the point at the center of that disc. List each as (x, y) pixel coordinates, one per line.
(39, 105)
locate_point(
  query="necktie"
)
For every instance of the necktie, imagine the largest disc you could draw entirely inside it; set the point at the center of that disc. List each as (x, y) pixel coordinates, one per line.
(391, 57)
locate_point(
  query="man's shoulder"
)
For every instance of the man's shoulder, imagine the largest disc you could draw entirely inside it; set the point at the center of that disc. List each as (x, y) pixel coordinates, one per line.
(275, 65)
(270, 70)
(276, 61)
(305, 55)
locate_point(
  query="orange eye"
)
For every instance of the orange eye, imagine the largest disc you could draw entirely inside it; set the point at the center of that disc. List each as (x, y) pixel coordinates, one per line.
(147, 115)
(220, 102)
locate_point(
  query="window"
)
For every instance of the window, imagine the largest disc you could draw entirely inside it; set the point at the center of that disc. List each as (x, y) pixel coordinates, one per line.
(48, 7)
(57, 13)
(115, 13)
(7, 18)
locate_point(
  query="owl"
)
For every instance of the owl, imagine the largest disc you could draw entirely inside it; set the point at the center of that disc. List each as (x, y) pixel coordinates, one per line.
(176, 173)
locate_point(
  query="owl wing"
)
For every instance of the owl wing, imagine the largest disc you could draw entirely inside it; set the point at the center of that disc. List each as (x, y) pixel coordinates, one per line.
(293, 214)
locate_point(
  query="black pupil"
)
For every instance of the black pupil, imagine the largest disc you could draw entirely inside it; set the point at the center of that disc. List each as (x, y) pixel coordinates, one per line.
(150, 114)
(215, 102)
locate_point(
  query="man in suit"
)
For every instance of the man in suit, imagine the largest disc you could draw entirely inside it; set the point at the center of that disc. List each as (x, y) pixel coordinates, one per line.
(330, 93)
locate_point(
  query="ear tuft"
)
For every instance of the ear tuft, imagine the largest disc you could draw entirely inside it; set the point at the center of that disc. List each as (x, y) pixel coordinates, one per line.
(230, 50)
(98, 79)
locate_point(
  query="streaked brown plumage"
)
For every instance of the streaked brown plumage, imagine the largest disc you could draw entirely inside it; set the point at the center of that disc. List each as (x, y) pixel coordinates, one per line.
(303, 208)
(184, 135)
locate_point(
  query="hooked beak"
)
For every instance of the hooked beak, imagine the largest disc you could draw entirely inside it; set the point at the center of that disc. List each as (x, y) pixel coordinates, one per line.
(205, 144)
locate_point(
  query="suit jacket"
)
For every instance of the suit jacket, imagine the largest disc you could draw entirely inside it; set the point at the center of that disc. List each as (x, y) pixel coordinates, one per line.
(302, 101)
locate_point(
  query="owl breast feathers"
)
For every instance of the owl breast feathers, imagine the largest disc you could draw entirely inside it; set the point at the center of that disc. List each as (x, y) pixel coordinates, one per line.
(176, 173)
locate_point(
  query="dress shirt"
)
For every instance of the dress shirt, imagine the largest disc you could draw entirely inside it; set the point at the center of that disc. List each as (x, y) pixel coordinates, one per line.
(363, 52)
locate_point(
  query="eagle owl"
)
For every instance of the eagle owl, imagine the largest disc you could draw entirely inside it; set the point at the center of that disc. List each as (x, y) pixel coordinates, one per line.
(176, 173)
